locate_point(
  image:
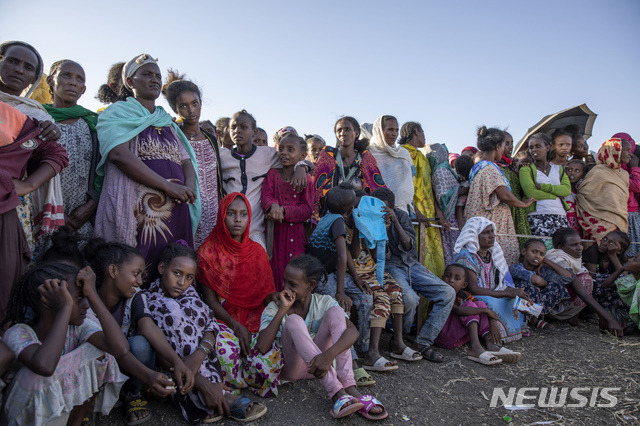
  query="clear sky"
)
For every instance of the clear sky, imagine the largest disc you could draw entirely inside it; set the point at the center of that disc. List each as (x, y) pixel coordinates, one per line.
(451, 65)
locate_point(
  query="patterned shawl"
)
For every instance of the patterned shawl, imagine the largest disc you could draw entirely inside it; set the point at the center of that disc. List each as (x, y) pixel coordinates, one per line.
(481, 165)
(444, 178)
(239, 272)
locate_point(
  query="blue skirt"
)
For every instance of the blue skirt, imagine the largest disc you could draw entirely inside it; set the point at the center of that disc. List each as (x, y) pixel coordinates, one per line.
(513, 324)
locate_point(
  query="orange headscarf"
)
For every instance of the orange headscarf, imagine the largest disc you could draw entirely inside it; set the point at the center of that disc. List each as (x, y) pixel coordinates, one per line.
(239, 272)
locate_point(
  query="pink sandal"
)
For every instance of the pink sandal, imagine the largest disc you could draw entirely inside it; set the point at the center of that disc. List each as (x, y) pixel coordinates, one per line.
(369, 402)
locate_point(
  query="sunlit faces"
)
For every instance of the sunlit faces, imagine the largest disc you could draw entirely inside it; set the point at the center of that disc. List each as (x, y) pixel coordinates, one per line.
(290, 151)
(538, 150)
(487, 238)
(534, 253)
(575, 171)
(455, 276)
(625, 155)
(128, 276)
(18, 69)
(314, 146)
(177, 276)
(580, 148)
(390, 131)
(508, 145)
(241, 130)
(68, 83)
(146, 82)
(189, 106)
(562, 146)
(261, 138)
(237, 218)
(345, 133)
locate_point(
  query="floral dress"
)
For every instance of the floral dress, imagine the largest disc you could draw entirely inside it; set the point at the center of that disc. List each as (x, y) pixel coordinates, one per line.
(209, 188)
(552, 295)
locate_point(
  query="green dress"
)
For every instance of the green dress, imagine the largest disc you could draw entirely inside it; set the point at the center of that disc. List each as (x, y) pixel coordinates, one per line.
(520, 220)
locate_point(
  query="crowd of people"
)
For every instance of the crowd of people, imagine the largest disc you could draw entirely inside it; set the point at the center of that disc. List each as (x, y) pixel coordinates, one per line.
(147, 253)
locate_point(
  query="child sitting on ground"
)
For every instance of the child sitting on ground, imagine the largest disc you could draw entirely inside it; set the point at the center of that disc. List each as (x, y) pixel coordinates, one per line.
(191, 328)
(543, 281)
(471, 320)
(314, 333)
(628, 288)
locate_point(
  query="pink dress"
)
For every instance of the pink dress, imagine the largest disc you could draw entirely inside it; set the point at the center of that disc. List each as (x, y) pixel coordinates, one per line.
(289, 238)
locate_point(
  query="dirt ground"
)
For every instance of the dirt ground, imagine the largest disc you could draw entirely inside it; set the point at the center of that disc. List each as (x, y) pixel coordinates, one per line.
(459, 391)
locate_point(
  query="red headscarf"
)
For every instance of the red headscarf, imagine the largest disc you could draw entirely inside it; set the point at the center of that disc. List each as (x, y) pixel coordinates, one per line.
(238, 272)
(473, 149)
(610, 153)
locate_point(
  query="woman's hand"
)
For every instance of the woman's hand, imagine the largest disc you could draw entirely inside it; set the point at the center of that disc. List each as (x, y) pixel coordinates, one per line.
(158, 384)
(244, 337)
(320, 365)
(55, 295)
(49, 131)
(344, 301)
(180, 193)
(519, 292)
(184, 376)
(611, 325)
(214, 397)
(528, 202)
(276, 213)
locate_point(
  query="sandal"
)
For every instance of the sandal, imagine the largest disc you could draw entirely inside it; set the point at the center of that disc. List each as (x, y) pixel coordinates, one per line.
(363, 378)
(137, 405)
(212, 418)
(381, 364)
(369, 402)
(485, 358)
(340, 409)
(244, 409)
(407, 355)
(507, 355)
(89, 419)
(430, 354)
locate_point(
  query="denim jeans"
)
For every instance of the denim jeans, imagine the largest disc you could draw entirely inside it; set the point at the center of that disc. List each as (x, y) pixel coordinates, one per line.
(362, 302)
(140, 348)
(418, 279)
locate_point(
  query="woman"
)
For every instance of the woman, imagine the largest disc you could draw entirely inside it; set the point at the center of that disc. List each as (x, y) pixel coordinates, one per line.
(150, 188)
(78, 126)
(633, 168)
(20, 73)
(520, 221)
(490, 192)
(185, 100)
(395, 163)
(601, 202)
(445, 188)
(238, 294)
(349, 162)
(549, 184)
(489, 278)
(412, 138)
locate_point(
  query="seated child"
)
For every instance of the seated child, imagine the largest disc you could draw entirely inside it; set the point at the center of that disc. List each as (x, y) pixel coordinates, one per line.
(568, 254)
(543, 281)
(629, 292)
(576, 170)
(469, 321)
(67, 362)
(314, 332)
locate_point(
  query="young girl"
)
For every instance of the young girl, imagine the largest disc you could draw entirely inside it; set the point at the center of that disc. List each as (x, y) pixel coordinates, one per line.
(108, 92)
(469, 321)
(544, 281)
(245, 167)
(64, 366)
(315, 143)
(464, 163)
(314, 332)
(191, 328)
(119, 276)
(576, 170)
(261, 138)
(285, 207)
(568, 254)
(561, 147)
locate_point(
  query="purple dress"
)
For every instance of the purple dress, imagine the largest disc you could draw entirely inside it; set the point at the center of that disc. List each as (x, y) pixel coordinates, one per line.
(160, 220)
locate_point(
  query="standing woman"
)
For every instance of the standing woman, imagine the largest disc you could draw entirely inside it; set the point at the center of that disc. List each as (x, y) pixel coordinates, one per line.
(520, 220)
(185, 100)
(424, 200)
(150, 193)
(348, 162)
(78, 127)
(549, 184)
(445, 187)
(490, 192)
(633, 168)
(601, 202)
(395, 163)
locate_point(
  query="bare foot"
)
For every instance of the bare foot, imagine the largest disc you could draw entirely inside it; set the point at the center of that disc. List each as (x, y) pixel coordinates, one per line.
(353, 391)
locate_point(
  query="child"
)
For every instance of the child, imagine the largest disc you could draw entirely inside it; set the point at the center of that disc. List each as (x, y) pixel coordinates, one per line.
(542, 280)
(314, 333)
(469, 321)
(561, 147)
(191, 328)
(245, 167)
(464, 164)
(628, 288)
(285, 207)
(64, 366)
(568, 254)
(608, 256)
(328, 243)
(315, 143)
(576, 170)
(119, 276)
(261, 138)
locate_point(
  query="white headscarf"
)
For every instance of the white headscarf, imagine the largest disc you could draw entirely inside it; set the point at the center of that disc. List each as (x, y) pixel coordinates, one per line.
(395, 165)
(468, 239)
(133, 65)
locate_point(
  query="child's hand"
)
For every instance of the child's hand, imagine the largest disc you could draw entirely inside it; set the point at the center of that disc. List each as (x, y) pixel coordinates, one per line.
(363, 286)
(271, 297)
(287, 298)
(613, 248)
(320, 365)
(299, 179)
(344, 301)
(158, 384)
(390, 216)
(513, 292)
(494, 332)
(55, 294)
(276, 213)
(538, 281)
(87, 281)
(184, 377)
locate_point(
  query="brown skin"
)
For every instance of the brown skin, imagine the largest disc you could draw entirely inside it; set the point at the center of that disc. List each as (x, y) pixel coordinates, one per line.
(68, 85)
(508, 145)
(314, 147)
(290, 152)
(575, 172)
(189, 107)
(261, 138)
(610, 249)
(390, 130)
(503, 192)
(562, 146)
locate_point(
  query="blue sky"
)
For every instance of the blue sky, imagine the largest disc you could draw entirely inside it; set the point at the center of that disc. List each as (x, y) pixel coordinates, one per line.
(450, 65)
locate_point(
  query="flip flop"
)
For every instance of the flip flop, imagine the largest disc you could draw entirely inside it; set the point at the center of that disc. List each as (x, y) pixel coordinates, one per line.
(485, 358)
(340, 410)
(363, 378)
(407, 355)
(369, 402)
(213, 418)
(507, 355)
(380, 365)
(240, 409)
(430, 354)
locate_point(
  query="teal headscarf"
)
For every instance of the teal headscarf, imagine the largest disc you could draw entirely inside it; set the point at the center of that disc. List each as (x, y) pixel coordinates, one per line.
(123, 121)
(445, 184)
